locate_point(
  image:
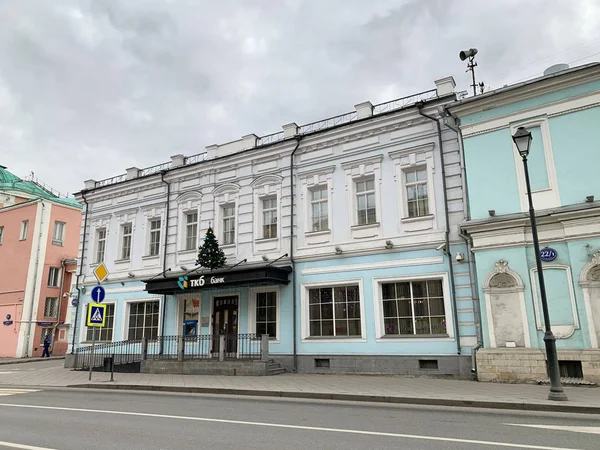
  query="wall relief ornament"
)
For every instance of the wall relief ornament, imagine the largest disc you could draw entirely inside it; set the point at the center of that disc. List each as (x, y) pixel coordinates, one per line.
(502, 277)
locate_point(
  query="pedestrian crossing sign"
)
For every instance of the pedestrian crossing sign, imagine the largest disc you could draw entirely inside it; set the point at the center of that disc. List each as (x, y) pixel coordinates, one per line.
(96, 315)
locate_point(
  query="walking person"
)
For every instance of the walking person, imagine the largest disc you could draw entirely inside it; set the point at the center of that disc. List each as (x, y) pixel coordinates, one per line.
(46, 351)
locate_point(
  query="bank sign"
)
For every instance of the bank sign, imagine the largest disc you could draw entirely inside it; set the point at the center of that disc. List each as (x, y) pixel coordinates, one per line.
(202, 281)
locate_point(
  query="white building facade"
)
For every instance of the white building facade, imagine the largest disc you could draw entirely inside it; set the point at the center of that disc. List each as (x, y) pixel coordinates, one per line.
(341, 236)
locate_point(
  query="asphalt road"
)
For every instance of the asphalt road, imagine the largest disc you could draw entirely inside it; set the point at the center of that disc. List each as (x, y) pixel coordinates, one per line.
(63, 419)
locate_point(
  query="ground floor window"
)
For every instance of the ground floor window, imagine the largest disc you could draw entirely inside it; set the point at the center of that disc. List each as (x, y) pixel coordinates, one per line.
(104, 334)
(266, 314)
(143, 320)
(46, 332)
(413, 308)
(334, 311)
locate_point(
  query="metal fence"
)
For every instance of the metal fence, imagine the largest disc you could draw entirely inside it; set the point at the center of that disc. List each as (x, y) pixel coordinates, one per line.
(204, 346)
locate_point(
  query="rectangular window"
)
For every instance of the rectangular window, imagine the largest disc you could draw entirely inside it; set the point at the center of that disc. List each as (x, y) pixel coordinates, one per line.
(58, 235)
(266, 314)
(100, 244)
(334, 311)
(319, 209)
(228, 224)
(51, 307)
(154, 248)
(46, 332)
(413, 308)
(365, 202)
(191, 231)
(143, 320)
(54, 277)
(269, 214)
(1, 234)
(536, 160)
(126, 235)
(416, 192)
(104, 334)
(24, 228)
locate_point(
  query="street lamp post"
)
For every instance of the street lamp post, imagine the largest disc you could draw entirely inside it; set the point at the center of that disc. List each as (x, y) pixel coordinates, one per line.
(522, 139)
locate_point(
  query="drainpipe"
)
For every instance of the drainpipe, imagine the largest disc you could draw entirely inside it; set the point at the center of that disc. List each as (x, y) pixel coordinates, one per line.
(164, 308)
(37, 263)
(419, 106)
(79, 294)
(291, 252)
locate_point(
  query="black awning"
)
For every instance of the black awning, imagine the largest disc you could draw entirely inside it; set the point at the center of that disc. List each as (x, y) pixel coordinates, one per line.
(218, 278)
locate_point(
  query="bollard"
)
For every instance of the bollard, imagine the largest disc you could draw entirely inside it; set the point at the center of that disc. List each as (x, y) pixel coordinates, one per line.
(264, 347)
(221, 347)
(144, 348)
(180, 348)
(112, 368)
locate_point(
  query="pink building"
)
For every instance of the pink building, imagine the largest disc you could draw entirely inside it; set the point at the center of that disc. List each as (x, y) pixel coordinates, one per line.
(39, 240)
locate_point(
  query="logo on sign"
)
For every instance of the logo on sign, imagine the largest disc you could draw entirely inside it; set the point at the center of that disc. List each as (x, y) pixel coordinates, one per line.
(548, 254)
(182, 282)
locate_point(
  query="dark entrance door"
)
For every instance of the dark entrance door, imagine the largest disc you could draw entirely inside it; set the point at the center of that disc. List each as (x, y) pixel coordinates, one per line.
(225, 322)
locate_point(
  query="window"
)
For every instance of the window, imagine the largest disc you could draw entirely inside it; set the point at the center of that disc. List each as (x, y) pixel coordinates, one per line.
(319, 209)
(126, 233)
(54, 277)
(1, 234)
(228, 224)
(416, 192)
(58, 235)
(143, 320)
(365, 202)
(154, 249)
(104, 334)
(266, 313)
(51, 307)
(191, 231)
(413, 308)
(100, 244)
(269, 214)
(334, 311)
(24, 228)
(46, 332)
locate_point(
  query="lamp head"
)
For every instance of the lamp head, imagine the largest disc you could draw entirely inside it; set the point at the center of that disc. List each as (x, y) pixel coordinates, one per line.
(522, 139)
(467, 54)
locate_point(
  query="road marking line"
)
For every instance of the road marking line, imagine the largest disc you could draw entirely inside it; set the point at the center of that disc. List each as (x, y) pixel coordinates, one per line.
(575, 429)
(6, 392)
(296, 427)
(22, 446)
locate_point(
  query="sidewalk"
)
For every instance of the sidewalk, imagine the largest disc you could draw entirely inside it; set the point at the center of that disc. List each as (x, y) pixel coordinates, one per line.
(384, 389)
(4, 361)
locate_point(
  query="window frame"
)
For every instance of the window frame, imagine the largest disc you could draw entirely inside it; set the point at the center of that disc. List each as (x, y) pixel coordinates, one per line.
(406, 184)
(56, 312)
(83, 338)
(272, 209)
(46, 331)
(98, 240)
(57, 275)
(305, 314)
(187, 225)
(151, 233)
(311, 202)
(366, 193)
(59, 241)
(252, 304)
(122, 246)
(24, 230)
(380, 335)
(127, 315)
(228, 218)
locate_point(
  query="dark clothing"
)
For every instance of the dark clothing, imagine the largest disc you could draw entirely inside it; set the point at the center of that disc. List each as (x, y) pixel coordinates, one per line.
(46, 351)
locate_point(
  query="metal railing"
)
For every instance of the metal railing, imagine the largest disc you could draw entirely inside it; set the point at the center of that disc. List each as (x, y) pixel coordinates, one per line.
(124, 352)
(269, 139)
(404, 101)
(154, 169)
(328, 123)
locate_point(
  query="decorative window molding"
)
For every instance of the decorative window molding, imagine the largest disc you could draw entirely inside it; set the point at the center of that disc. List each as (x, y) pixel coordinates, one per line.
(252, 313)
(357, 171)
(309, 181)
(542, 198)
(100, 245)
(125, 242)
(406, 161)
(187, 203)
(589, 279)
(150, 310)
(265, 188)
(97, 224)
(305, 311)
(226, 196)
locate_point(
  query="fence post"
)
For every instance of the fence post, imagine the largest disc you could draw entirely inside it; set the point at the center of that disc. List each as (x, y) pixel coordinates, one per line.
(144, 348)
(264, 347)
(221, 347)
(180, 348)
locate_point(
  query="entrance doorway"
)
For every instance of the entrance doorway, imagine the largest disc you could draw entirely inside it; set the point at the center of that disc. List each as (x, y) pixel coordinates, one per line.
(225, 322)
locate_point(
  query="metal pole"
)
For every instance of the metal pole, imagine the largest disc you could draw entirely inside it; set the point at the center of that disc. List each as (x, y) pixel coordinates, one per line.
(92, 353)
(556, 390)
(112, 367)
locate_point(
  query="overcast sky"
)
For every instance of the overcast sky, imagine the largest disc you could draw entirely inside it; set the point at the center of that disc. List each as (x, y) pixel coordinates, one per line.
(89, 88)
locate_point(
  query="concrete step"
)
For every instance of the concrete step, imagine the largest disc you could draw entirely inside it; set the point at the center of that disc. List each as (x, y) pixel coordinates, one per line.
(277, 371)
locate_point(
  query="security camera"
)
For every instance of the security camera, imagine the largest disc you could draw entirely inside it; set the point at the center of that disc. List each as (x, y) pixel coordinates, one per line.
(467, 54)
(459, 257)
(440, 247)
(473, 371)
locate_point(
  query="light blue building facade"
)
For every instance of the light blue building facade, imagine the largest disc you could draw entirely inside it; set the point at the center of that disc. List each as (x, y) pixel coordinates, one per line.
(342, 240)
(562, 111)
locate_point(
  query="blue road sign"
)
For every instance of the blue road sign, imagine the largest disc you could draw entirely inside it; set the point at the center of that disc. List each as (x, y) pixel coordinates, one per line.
(96, 315)
(98, 294)
(74, 302)
(7, 322)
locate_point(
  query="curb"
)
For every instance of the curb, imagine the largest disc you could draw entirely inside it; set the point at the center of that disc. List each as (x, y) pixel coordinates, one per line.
(26, 360)
(558, 407)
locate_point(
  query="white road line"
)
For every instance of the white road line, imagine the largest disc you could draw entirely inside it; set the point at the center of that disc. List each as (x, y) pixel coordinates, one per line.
(6, 392)
(591, 430)
(296, 427)
(23, 447)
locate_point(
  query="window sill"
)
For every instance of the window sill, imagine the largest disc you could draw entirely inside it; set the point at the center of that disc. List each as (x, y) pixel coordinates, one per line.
(332, 339)
(367, 226)
(121, 261)
(415, 338)
(416, 219)
(317, 233)
(57, 243)
(226, 246)
(150, 257)
(275, 239)
(53, 287)
(187, 252)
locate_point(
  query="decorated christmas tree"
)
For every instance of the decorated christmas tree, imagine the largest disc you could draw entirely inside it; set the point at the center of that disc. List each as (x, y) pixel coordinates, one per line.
(210, 255)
